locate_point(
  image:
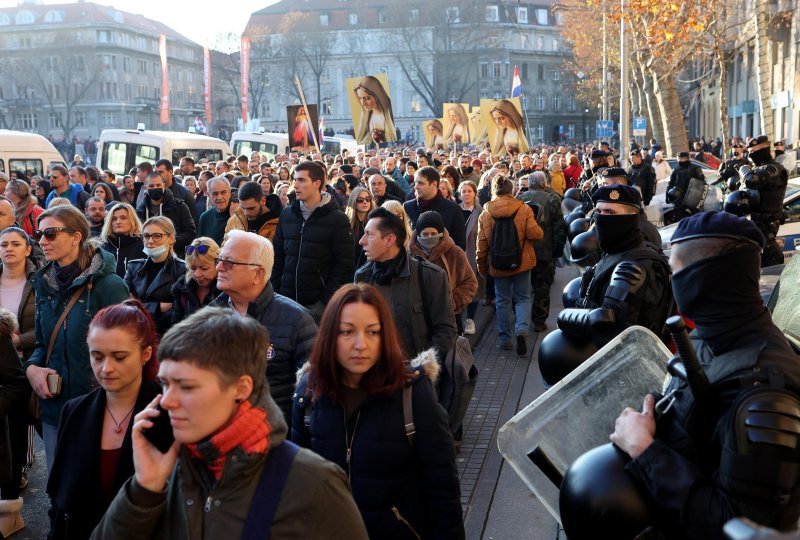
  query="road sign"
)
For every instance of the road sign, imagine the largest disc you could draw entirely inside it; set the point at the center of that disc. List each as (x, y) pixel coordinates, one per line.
(604, 129)
(639, 126)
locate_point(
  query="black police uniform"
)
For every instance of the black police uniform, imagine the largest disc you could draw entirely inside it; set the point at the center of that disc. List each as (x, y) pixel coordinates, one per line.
(730, 168)
(737, 451)
(644, 177)
(680, 179)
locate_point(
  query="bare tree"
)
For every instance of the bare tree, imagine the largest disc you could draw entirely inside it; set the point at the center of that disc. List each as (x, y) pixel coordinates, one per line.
(306, 49)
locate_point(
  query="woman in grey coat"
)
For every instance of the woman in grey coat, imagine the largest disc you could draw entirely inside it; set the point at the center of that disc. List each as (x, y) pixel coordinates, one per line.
(472, 209)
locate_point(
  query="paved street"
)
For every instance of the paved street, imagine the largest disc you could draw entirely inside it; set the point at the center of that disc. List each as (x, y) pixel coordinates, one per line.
(496, 502)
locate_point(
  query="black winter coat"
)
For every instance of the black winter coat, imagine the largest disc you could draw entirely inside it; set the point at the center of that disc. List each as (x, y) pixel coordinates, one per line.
(14, 388)
(312, 258)
(402, 491)
(177, 211)
(186, 301)
(157, 291)
(643, 177)
(124, 249)
(451, 214)
(292, 331)
(74, 482)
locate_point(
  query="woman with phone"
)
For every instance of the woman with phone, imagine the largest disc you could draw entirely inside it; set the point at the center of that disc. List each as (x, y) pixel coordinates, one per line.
(86, 475)
(198, 288)
(404, 487)
(77, 282)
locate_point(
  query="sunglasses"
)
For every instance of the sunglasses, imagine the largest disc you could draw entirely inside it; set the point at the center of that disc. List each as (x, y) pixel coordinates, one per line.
(51, 232)
(228, 265)
(155, 236)
(202, 249)
(360, 200)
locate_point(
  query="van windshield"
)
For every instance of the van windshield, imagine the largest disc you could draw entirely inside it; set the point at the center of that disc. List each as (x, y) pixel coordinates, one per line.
(25, 168)
(248, 147)
(331, 147)
(211, 154)
(120, 157)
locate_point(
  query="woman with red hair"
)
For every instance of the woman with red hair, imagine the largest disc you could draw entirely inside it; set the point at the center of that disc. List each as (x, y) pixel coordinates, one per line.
(86, 475)
(405, 486)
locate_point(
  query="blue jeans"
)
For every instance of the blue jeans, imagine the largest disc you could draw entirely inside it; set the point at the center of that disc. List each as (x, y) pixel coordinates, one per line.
(516, 288)
(50, 437)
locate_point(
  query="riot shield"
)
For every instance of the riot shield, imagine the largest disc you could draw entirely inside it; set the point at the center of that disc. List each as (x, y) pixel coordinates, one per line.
(577, 414)
(785, 298)
(696, 195)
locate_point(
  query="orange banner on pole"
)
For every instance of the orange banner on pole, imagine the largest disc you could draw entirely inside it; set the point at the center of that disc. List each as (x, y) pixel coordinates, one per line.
(245, 75)
(207, 83)
(162, 51)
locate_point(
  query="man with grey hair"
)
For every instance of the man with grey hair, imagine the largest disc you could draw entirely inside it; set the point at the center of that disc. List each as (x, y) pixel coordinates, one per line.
(244, 268)
(214, 220)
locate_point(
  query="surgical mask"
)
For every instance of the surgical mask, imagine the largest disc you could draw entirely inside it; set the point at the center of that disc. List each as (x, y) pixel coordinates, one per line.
(429, 242)
(156, 252)
(155, 194)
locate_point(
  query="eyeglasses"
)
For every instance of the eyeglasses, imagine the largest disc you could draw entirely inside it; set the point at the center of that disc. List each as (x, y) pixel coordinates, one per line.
(228, 264)
(360, 200)
(155, 236)
(51, 232)
(202, 249)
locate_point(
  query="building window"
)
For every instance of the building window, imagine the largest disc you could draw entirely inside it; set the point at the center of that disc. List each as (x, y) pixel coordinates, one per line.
(382, 16)
(130, 119)
(327, 106)
(29, 120)
(540, 102)
(52, 63)
(353, 19)
(325, 76)
(496, 70)
(522, 15)
(453, 15)
(484, 95)
(524, 102)
(109, 118)
(571, 131)
(484, 70)
(54, 91)
(539, 131)
(80, 119)
(556, 75)
(498, 95)
(539, 43)
(492, 14)
(541, 17)
(524, 72)
(5, 20)
(540, 72)
(54, 120)
(103, 36)
(324, 19)
(559, 18)
(126, 64)
(24, 17)
(413, 15)
(571, 105)
(556, 102)
(416, 105)
(555, 44)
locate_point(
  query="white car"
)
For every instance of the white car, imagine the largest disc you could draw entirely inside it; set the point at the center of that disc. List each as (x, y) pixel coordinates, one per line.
(658, 205)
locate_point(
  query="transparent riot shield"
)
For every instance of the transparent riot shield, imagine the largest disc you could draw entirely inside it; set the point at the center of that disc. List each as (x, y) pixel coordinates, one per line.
(785, 298)
(577, 414)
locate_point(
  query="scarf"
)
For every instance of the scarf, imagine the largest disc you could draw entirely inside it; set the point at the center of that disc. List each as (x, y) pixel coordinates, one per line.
(249, 430)
(307, 211)
(65, 275)
(424, 206)
(386, 271)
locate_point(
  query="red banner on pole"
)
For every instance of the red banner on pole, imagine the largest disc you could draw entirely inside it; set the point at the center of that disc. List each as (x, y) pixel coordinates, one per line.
(162, 51)
(207, 83)
(245, 75)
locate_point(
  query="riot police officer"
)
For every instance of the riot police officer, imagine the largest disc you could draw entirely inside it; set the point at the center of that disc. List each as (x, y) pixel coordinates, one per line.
(687, 188)
(641, 175)
(733, 450)
(729, 169)
(617, 175)
(770, 178)
(598, 160)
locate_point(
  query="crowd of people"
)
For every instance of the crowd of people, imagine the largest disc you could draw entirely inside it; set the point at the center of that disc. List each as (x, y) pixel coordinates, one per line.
(162, 294)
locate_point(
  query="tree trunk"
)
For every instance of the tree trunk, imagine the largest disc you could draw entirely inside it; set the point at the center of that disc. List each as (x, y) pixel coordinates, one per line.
(672, 117)
(723, 99)
(653, 111)
(764, 70)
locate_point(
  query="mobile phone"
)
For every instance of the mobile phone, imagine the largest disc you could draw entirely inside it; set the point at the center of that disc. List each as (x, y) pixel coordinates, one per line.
(54, 383)
(160, 435)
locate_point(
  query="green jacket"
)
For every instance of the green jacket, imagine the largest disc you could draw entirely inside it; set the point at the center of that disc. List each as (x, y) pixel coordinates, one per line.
(70, 356)
(316, 501)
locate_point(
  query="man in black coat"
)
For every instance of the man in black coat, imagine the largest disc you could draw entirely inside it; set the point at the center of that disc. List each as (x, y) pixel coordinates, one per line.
(642, 176)
(160, 202)
(428, 197)
(680, 180)
(313, 243)
(377, 186)
(164, 168)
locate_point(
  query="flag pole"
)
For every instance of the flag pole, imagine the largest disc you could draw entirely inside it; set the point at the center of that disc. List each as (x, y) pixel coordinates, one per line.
(305, 105)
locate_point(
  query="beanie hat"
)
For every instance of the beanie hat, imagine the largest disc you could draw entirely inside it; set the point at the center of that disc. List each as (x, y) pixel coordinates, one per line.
(430, 219)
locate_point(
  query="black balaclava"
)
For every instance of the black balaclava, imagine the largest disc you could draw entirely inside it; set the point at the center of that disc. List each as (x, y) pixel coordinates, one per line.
(617, 233)
(718, 300)
(760, 157)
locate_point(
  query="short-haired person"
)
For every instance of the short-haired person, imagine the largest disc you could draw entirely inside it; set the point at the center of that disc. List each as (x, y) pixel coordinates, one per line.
(77, 282)
(227, 429)
(377, 186)
(406, 284)
(198, 287)
(122, 236)
(151, 279)
(257, 213)
(428, 197)
(159, 201)
(94, 455)
(96, 213)
(165, 169)
(244, 266)
(358, 372)
(213, 221)
(60, 182)
(313, 243)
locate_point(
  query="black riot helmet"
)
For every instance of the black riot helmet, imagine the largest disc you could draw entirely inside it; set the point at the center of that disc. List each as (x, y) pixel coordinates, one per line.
(574, 194)
(599, 499)
(578, 213)
(674, 195)
(568, 205)
(580, 225)
(585, 249)
(560, 353)
(740, 202)
(571, 293)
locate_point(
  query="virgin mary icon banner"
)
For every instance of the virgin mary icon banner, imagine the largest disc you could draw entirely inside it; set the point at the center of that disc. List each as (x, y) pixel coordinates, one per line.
(433, 130)
(371, 108)
(506, 129)
(303, 124)
(477, 129)
(456, 123)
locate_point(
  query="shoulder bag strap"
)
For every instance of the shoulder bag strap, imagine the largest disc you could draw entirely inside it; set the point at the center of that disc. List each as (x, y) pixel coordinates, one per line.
(408, 414)
(422, 296)
(67, 309)
(278, 463)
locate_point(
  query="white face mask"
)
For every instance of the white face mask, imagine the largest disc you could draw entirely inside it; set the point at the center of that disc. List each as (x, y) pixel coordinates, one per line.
(156, 252)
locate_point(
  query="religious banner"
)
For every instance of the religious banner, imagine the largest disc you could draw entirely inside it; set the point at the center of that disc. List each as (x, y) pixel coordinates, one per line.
(207, 82)
(371, 108)
(303, 124)
(162, 52)
(477, 129)
(434, 134)
(456, 124)
(245, 83)
(506, 129)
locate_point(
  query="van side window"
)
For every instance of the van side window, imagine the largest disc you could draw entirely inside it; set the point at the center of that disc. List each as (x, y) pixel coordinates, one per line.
(145, 153)
(114, 157)
(2, 166)
(27, 167)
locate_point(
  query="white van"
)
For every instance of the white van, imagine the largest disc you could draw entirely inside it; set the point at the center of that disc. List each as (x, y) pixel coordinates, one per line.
(335, 145)
(119, 150)
(28, 153)
(247, 142)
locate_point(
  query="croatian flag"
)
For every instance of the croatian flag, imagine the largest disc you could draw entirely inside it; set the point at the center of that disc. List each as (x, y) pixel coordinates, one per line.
(199, 126)
(516, 84)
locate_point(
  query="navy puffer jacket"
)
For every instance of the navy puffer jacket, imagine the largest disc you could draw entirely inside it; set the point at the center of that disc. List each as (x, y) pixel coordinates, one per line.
(402, 491)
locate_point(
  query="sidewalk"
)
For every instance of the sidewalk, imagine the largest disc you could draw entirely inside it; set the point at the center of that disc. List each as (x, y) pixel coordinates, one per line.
(496, 502)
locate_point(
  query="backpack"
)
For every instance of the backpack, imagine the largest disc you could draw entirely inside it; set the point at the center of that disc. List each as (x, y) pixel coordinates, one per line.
(506, 250)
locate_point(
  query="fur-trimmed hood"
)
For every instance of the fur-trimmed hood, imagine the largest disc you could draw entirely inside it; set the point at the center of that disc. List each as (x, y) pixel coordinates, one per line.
(427, 360)
(8, 323)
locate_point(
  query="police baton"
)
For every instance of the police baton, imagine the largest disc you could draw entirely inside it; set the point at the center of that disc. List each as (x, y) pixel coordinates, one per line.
(685, 364)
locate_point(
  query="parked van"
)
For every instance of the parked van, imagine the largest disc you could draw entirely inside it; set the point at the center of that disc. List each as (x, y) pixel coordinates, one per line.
(247, 142)
(119, 150)
(335, 145)
(27, 153)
